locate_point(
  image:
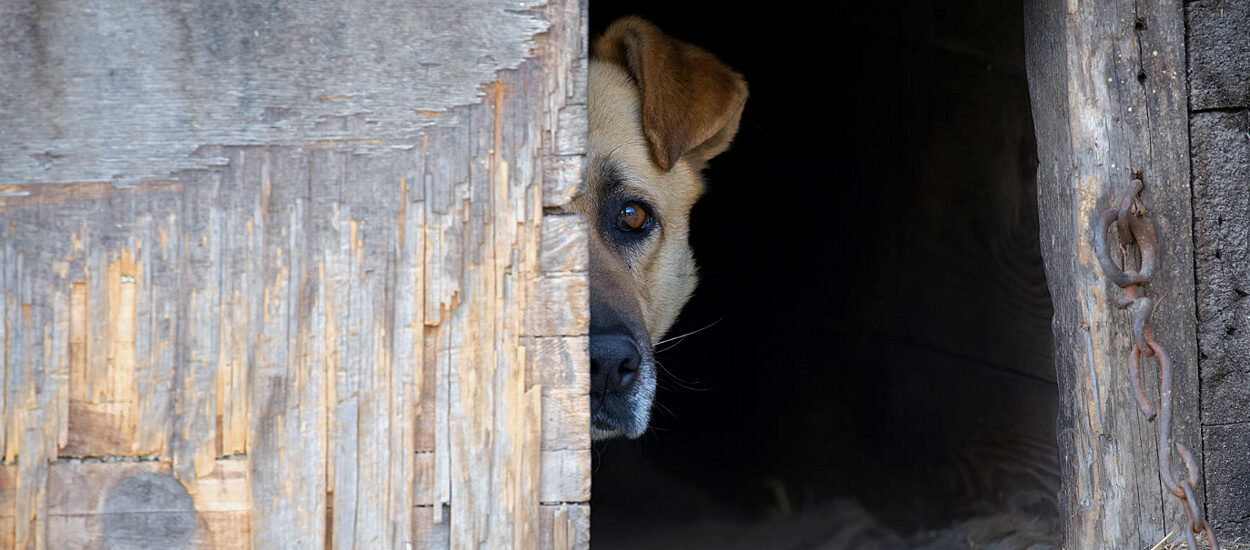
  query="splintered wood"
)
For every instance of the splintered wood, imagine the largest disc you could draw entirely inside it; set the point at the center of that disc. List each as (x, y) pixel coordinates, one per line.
(292, 341)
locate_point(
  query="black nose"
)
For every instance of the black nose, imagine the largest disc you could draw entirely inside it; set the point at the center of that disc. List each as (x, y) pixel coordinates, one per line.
(614, 360)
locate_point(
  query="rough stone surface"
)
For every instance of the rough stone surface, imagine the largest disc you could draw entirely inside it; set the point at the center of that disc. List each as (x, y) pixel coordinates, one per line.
(1228, 502)
(1219, 53)
(1219, 79)
(1221, 184)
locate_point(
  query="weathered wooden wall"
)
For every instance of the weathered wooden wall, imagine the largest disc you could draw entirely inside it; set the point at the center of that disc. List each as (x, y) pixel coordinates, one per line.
(292, 275)
(1109, 101)
(1219, 131)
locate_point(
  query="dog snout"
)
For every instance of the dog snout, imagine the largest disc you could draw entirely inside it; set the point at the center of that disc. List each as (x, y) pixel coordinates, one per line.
(614, 362)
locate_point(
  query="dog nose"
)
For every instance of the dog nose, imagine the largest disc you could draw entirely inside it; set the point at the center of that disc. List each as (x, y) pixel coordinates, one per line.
(614, 360)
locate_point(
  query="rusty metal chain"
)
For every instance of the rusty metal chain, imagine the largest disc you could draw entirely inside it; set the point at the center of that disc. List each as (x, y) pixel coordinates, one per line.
(1134, 228)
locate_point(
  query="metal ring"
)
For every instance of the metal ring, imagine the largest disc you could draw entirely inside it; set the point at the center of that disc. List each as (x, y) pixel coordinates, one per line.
(1109, 269)
(1188, 459)
(1142, 308)
(1134, 373)
(1196, 520)
(1126, 210)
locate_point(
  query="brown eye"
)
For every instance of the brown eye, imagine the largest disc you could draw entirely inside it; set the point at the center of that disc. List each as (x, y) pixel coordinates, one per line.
(632, 217)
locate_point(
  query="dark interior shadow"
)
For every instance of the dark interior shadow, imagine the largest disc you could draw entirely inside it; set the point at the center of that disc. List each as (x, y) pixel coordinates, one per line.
(879, 318)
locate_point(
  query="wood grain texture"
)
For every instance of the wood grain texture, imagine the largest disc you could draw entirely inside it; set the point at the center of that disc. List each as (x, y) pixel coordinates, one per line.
(565, 527)
(8, 506)
(98, 504)
(345, 308)
(1109, 99)
(237, 72)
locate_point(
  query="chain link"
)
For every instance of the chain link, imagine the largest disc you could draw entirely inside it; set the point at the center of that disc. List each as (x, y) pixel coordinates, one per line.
(1134, 228)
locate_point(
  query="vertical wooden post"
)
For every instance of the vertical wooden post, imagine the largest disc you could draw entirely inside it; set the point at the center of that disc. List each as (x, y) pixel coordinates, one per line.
(1107, 80)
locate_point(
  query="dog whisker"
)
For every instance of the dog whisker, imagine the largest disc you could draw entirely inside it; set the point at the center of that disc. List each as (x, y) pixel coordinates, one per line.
(670, 389)
(667, 410)
(681, 337)
(691, 385)
(679, 385)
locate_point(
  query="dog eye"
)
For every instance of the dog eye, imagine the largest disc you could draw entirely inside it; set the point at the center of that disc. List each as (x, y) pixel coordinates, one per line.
(632, 217)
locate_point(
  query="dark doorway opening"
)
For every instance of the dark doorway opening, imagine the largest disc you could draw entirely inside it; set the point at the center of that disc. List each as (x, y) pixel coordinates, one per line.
(877, 350)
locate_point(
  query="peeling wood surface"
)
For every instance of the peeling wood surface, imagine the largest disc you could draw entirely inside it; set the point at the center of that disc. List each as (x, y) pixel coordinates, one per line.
(130, 91)
(1109, 100)
(293, 278)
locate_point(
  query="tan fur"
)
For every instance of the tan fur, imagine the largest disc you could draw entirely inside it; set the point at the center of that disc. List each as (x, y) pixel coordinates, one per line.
(691, 102)
(659, 110)
(664, 276)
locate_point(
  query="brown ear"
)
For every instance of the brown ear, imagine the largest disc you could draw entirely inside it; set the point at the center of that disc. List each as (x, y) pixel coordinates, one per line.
(691, 102)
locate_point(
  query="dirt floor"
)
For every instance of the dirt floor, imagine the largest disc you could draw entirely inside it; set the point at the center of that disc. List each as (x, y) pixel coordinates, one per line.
(656, 511)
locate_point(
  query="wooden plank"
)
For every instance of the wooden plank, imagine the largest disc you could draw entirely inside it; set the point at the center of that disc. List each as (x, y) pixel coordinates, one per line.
(218, 531)
(563, 476)
(423, 480)
(192, 53)
(488, 386)
(561, 421)
(562, 246)
(550, 354)
(45, 296)
(430, 527)
(334, 282)
(344, 275)
(160, 302)
(125, 260)
(1109, 103)
(284, 445)
(550, 314)
(566, 429)
(8, 506)
(240, 313)
(406, 466)
(562, 169)
(474, 373)
(565, 527)
(194, 436)
(371, 450)
(30, 431)
(141, 505)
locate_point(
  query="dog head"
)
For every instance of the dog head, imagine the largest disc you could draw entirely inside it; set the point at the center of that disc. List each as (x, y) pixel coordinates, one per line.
(659, 110)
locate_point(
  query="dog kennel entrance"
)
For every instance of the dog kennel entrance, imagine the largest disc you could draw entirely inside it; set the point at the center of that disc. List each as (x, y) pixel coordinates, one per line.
(878, 356)
(881, 348)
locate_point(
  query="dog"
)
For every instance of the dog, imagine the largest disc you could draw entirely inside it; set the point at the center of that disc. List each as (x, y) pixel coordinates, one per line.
(659, 110)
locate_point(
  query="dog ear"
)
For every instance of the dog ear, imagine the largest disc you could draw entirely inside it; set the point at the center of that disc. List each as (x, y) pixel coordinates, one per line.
(691, 102)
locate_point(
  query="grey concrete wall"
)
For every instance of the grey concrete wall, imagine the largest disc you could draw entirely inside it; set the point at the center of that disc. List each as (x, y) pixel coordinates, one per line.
(1219, 125)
